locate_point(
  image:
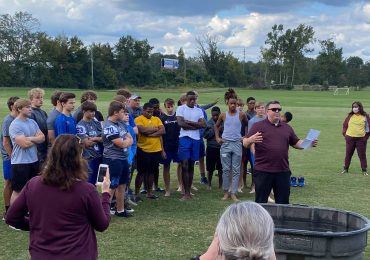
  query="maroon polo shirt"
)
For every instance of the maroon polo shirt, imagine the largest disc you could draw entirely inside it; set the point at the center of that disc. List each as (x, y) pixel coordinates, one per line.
(272, 154)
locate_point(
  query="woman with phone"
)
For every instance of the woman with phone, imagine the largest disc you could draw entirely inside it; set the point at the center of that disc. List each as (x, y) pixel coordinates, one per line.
(64, 209)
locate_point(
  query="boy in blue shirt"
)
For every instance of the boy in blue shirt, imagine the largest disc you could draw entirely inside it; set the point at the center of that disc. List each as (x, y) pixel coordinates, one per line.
(64, 123)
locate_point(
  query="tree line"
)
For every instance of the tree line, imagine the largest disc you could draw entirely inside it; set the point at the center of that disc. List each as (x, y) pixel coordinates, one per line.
(29, 57)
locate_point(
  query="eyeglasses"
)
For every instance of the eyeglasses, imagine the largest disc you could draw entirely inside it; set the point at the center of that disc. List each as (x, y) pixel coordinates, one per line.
(276, 110)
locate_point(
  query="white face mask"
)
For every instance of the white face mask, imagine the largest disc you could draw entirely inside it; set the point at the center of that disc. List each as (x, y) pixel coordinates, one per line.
(355, 110)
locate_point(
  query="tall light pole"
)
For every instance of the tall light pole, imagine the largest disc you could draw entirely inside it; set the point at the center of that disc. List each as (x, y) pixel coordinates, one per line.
(92, 66)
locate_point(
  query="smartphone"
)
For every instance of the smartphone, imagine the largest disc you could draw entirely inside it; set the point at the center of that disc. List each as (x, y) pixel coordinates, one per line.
(101, 173)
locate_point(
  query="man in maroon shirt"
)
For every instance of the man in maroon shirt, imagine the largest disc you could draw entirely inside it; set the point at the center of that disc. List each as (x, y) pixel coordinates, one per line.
(272, 139)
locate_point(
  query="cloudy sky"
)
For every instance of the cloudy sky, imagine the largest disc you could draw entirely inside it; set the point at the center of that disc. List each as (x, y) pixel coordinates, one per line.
(171, 24)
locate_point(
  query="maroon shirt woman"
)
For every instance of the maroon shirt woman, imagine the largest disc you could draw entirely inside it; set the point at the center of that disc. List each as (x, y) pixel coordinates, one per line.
(64, 210)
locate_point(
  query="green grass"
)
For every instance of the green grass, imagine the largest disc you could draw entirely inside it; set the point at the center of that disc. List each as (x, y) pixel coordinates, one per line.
(170, 229)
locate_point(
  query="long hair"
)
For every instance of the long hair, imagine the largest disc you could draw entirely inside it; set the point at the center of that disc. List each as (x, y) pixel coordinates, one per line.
(360, 108)
(230, 93)
(64, 165)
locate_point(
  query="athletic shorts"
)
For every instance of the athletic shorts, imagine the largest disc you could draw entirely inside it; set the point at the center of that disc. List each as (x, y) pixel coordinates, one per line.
(189, 149)
(148, 163)
(22, 173)
(170, 157)
(118, 171)
(7, 170)
(93, 169)
(202, 149)
(213, 160)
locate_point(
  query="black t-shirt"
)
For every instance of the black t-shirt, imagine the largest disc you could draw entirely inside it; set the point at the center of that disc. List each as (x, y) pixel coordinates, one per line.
(171, 138)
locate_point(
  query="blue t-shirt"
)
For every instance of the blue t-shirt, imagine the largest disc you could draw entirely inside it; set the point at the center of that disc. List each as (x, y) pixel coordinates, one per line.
(27, 127)
(113, 130)
(64, 125)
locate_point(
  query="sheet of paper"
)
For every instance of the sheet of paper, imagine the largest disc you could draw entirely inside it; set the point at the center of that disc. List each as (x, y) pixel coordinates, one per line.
(311, 136)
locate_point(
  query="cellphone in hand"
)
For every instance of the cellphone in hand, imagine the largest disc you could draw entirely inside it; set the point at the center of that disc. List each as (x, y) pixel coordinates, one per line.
(101, 173)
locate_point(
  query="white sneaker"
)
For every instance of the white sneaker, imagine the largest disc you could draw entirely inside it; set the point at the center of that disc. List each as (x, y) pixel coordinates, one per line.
(14, 228)
(270, 200)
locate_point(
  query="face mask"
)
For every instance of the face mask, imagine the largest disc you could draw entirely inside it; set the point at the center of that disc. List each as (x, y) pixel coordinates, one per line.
(355, 110)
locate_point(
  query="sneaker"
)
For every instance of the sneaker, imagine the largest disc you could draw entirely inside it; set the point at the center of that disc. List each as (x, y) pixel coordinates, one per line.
(194, 188)
(131, 202)
(365, 173)
(138, 199)
(14, 228)
(112, 210)
(124, 214)
(143, 191)
(301, 182)
(293, 181)
(204, 180)
(159, 189)
(129, 210)
(344, 171)
(153, 197)
(270, 200)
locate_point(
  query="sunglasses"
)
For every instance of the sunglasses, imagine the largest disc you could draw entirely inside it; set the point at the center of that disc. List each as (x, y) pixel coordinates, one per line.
(276, 110)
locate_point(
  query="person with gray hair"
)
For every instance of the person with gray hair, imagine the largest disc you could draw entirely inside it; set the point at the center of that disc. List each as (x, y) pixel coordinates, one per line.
(244, 231)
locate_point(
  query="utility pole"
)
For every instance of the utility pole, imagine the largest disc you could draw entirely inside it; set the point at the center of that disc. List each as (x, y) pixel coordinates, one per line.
(184, 70)
(92, 67)
(244, 61)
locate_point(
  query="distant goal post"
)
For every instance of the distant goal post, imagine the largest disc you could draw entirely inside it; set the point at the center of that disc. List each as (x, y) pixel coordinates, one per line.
(341, 91)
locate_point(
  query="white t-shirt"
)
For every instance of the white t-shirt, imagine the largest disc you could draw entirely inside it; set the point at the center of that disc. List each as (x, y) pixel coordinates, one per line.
(190, 114)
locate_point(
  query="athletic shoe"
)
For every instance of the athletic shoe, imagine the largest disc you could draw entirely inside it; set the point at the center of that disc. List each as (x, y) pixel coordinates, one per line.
(112, 210)
(137, 199)
(194, 188)
(365, 173)
(293, 181)
(14, 228)
(152, 197)
(143, 191)
(131, 202)
(129, 210)
(124, 214)
(204, 180)
(344, 170)
(301, 182)
(270, 200)
(159, 189)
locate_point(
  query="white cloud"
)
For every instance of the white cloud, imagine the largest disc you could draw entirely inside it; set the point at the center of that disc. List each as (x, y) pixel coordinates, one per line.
(169, 49)
(182, 35)
(218, 25)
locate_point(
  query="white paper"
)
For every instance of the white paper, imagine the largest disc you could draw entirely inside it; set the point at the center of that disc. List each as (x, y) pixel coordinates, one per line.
(311, 136)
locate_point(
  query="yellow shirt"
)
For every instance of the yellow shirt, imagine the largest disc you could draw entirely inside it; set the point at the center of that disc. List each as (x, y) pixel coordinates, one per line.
(356, 126)
(146, 143)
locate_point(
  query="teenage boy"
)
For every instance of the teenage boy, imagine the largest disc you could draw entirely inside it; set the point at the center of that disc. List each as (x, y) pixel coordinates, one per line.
(213, 161)
(149, 149)
(90, 131)
(170, 143)
(156, 112)
(116, 141)
(92, 97)
(36, 96)
(250, 113)
(53, 115)
(190, 118)
(260, 116)
(6, 151)
(64, 123)
(25, 134)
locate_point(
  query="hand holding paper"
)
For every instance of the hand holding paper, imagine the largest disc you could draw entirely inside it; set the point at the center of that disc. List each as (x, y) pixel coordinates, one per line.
(311, 139)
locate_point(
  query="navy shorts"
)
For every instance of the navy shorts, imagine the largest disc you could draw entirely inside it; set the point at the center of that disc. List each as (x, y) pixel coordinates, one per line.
(118, 171)
(202, 149)
(7, 170)
(148, 163)
(93, 169)
(189, 149)
(170, 157)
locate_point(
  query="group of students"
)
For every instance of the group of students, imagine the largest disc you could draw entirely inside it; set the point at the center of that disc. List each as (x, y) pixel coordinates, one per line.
(133, 137)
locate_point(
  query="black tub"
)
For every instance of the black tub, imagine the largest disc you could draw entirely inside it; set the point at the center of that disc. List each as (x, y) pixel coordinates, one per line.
(308, 233)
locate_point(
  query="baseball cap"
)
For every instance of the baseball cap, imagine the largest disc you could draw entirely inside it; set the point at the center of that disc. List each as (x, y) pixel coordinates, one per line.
(134, 96)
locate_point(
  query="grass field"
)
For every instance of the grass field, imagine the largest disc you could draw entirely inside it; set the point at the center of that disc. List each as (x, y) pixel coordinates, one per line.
(170, 229)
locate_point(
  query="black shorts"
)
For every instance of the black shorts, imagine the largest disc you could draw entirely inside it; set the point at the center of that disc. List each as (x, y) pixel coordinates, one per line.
(213, 160)
(147, 163)
(22, 173)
